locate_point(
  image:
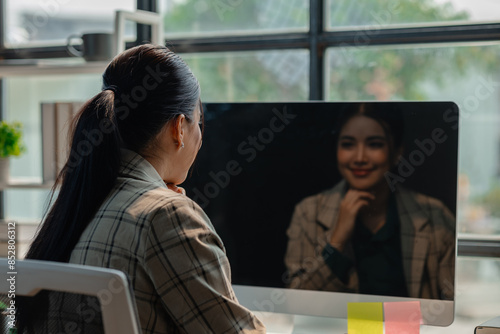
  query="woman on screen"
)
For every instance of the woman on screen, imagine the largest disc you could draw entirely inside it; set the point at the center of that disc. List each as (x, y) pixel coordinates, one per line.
(119, 204)
(366, 234)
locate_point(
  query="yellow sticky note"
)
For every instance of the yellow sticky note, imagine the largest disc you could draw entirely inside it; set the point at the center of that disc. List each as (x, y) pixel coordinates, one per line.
(365, 318)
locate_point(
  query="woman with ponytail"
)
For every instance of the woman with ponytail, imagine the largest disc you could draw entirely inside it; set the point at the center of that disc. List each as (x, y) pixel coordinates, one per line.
(119, 205)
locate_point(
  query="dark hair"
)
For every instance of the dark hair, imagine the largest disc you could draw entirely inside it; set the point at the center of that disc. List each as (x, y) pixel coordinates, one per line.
(143, 88)
(387, 114)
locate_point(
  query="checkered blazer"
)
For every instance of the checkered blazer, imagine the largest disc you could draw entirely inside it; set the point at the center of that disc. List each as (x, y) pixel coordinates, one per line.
(427, 242)
(175, 261)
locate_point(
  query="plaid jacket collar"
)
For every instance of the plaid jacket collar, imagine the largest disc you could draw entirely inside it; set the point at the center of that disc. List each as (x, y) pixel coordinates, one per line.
(135, 166)
(328, 205)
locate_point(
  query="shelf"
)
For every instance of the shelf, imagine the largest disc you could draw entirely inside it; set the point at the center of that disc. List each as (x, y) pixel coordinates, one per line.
(27, 183)
(23, 222)
(15, 67)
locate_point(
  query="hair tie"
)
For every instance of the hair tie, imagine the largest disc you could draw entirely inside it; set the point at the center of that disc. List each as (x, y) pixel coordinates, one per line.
(113, 88)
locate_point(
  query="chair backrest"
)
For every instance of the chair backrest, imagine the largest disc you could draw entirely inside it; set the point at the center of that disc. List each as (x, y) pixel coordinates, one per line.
(109, 286)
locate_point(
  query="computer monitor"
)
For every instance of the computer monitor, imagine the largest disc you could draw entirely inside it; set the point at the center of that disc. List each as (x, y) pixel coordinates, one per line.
(266, 168)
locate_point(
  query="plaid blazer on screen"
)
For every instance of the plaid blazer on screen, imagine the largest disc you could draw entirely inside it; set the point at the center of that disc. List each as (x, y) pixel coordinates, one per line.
(175, 261)
(427, 242)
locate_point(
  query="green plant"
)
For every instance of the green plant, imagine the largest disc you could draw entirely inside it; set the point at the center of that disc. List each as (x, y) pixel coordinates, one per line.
(11, 139)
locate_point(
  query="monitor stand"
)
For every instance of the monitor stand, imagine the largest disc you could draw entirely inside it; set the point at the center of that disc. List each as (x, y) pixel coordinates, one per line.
(277, 323)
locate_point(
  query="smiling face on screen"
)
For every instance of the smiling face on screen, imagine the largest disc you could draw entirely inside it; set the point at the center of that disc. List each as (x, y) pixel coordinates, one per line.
(364, 153)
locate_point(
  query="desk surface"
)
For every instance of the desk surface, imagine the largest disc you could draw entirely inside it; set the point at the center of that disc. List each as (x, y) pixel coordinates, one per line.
(316, 325)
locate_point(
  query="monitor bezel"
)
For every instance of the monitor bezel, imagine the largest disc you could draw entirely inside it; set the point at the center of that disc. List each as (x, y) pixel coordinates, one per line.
(435, 312)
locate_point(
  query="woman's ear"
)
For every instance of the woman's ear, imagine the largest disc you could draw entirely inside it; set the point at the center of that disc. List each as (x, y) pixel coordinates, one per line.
(178, 130)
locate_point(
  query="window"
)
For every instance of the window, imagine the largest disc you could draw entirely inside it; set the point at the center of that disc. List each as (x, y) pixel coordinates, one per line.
(251, 76)
(195, 18)
(386, 13)
(33, 22)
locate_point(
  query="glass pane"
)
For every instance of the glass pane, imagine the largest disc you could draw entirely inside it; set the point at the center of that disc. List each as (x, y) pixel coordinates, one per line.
(27, 218)
(376, 14)
(34, 22)
(199, 17)
(16, 207)
(252, 76)
(28, 204)
(465, 74)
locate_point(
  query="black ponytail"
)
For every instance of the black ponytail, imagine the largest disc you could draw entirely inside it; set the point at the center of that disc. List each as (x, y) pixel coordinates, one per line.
(143, 89)
(86, 179)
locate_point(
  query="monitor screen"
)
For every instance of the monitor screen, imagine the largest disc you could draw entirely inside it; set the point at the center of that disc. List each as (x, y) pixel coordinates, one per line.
(324, 199)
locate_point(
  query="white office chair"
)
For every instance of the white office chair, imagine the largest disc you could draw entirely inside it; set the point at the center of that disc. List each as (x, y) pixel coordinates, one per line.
(109, 286)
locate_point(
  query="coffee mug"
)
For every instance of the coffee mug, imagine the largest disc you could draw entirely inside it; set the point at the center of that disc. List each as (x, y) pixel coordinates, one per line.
(95, 47)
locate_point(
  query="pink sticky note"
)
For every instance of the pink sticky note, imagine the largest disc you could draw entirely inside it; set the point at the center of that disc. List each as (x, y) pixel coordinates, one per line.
(402, 317)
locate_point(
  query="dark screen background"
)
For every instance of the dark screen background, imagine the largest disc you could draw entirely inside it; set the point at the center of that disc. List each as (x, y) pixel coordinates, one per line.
(290, 159)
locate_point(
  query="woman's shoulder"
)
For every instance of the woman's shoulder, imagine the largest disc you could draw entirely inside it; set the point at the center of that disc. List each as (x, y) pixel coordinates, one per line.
(175, 216)
(147, 203)
(420, 199)
(418, 204)
(329, 197)
(169, 201)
